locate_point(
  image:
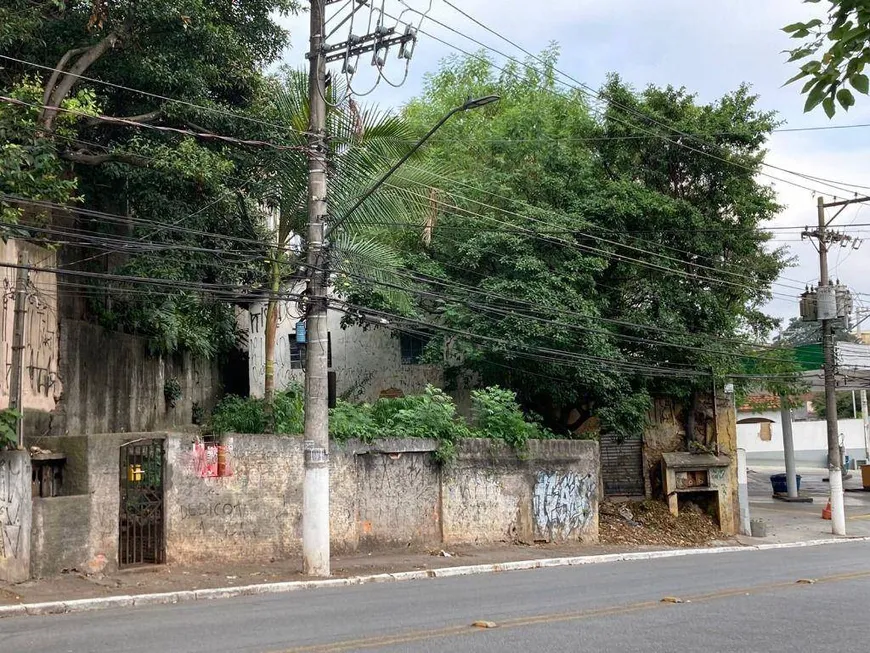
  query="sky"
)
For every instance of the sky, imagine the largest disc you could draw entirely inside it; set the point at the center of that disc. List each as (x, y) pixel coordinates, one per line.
(710, 48)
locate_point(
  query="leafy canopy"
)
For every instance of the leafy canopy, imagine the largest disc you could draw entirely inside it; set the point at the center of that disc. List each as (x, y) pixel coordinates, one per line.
(207, 58)
(833, 52)
(588, 220)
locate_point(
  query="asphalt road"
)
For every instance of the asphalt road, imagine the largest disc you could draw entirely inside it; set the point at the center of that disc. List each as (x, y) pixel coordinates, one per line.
(748, 601)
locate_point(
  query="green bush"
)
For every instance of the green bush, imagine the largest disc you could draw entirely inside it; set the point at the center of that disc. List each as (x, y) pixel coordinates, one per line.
(235, 414)
(431, 414)
(348, 421)
(8, 422)
(288, 410)
(497, 415)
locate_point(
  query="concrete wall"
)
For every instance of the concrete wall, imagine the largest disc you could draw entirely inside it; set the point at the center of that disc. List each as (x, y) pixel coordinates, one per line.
(81, 378)
(366, 361)
(386, 494)
(60, 534)
(113, 384)
(549, 494)
(810, 441)
(41, 386)
(15, 516)
(92, 478)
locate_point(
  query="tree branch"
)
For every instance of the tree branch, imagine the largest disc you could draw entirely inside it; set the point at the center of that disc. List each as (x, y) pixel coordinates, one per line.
(71, 78)
(146, 118)
(88, 159)
(58, 69)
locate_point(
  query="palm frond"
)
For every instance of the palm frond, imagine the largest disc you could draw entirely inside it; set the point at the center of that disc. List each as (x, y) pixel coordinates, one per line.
(370, 261)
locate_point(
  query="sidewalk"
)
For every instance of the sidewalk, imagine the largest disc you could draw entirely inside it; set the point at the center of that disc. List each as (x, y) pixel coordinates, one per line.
(796, 522)
(786, 523)
(172, 578)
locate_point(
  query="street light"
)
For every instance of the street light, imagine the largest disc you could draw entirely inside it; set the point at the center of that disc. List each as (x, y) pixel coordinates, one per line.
(315, 484)
(471, 103)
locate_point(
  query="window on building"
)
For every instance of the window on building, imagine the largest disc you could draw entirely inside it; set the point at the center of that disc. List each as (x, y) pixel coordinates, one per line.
(412, 348)
(297, 352)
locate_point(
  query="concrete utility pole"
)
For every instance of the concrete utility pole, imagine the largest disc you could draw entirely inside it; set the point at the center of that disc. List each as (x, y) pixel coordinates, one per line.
(788, 448)
(866, 419)
(315, 485)
(835, 469)
(16, 373)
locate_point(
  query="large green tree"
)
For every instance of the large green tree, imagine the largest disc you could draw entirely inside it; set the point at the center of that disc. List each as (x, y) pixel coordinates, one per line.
(567, 223)
(189, 65)
(833, 52)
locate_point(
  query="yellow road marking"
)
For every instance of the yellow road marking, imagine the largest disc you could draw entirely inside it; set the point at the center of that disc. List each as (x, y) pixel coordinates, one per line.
(466, 629)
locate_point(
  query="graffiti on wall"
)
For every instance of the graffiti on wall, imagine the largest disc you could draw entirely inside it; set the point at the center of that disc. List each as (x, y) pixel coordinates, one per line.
(12, 502)
(563, 504)
(285, 374)
(41, 341)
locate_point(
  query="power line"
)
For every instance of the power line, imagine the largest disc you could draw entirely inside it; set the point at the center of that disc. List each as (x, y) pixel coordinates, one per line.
(157, 96)
(538, 318)
(128, 220)
(585, 89)
(558, 214)
(418, 278)
(554, 352)
(161, 128)
(587, 248)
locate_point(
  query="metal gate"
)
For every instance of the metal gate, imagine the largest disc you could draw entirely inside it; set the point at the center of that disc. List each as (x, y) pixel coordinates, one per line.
(621, 465)
(140, 532)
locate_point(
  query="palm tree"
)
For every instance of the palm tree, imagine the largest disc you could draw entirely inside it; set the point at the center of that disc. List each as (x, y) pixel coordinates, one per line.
(363, 144)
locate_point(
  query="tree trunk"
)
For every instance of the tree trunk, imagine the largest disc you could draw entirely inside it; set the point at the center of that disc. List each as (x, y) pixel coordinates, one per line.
(67, 80)
(271, 337)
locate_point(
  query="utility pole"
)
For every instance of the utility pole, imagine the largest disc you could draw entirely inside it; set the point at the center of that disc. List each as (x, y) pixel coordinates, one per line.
(866, 419)
(315, 484)
(788, 447)
(16, 373)
(835, 470)
(828, 313)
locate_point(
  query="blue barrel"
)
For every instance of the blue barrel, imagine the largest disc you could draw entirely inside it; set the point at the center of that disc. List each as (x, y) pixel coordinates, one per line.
(780, 483)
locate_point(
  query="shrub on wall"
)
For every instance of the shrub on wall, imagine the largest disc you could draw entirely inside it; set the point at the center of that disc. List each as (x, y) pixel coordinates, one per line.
(431, 414)
(235, 414)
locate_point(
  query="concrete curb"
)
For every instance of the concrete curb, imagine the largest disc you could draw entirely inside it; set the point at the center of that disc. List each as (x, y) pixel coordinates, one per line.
(167, 598)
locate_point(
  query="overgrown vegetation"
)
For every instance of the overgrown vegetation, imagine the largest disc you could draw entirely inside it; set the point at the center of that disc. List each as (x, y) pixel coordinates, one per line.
(236, 414)
(431, 414)
(577, 230)
(8, 420)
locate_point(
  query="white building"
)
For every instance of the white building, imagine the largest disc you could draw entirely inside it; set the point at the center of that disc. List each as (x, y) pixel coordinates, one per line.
(368, 362)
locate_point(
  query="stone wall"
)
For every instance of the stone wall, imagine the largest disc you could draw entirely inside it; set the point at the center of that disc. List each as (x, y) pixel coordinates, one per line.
(15, 490)
(549, 494)
(385, 494)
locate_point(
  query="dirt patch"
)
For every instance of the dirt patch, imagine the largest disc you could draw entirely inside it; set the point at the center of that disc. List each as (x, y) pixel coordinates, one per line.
(650, 523)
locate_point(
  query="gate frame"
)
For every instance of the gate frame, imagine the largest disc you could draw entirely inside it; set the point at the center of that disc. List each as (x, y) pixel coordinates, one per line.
(148, 547)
